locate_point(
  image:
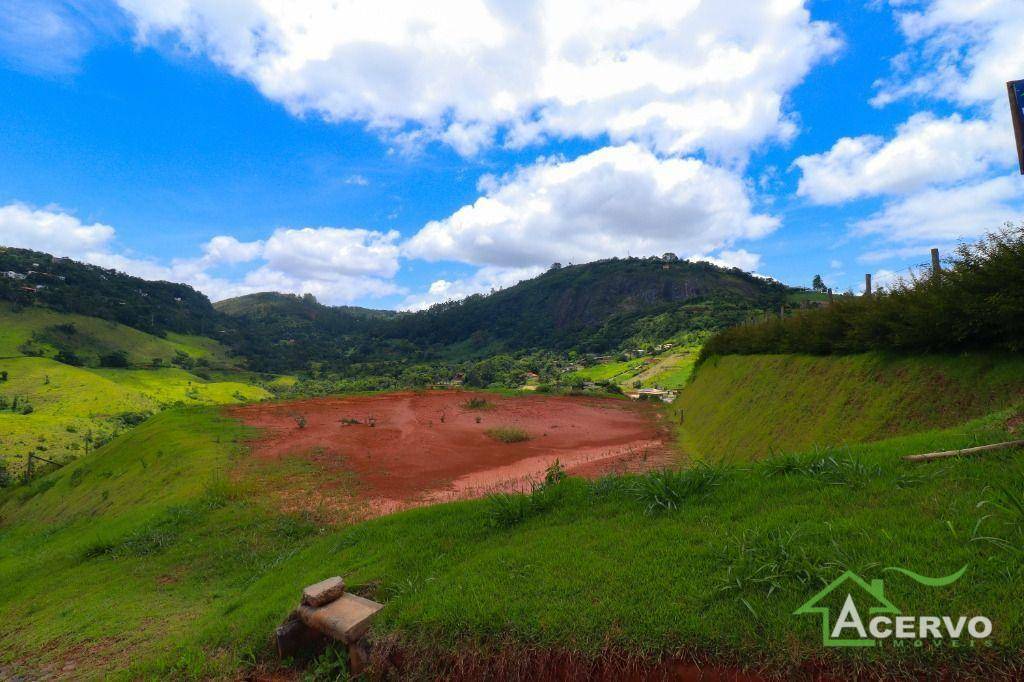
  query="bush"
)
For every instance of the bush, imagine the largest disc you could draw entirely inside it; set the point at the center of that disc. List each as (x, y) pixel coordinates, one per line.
(666, 490)
(478, 404)
(505, 510)
(68, 358)
(508, 434)
(977, 303)
(116, 359)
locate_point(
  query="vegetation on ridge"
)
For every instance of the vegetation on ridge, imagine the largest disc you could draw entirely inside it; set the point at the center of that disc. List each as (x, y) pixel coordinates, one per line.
(977, 303)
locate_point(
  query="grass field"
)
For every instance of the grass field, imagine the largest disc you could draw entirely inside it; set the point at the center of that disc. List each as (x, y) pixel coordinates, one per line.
(74, 406)
(156, 557)
(606, 371)
(669, 370)
(740, 407)
(94, 337)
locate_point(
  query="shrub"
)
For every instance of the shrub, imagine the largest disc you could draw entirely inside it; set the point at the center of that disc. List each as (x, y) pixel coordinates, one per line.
(508, 434)
(68, 358)
(116, 359)
(478, 404)
(182, 359)
(977, 303)
(505, 510)
(666, 490)
(130, 419)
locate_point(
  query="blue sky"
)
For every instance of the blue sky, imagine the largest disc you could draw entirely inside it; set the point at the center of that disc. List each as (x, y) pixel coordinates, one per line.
(399, 157)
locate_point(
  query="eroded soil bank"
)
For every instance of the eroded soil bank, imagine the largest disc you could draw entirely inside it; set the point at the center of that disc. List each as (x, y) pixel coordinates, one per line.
(408, 449)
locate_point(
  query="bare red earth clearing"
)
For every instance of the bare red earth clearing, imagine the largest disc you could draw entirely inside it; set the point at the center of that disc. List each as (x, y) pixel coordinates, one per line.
(407, 449)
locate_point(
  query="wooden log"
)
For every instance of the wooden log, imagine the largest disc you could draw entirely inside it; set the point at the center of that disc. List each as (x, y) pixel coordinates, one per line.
(966, 452)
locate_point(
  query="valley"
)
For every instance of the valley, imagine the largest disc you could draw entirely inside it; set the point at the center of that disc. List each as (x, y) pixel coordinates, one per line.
(508, 503)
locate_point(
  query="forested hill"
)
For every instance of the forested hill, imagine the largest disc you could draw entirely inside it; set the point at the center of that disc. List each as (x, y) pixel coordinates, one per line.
(36, 278)
(594, 307)
(597, 306)
(270, 304)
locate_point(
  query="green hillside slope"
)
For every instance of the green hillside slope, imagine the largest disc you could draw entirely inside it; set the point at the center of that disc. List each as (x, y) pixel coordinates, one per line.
(42, 331)
(747, 406)
(68, 286)
(72, 408)
(152, 559)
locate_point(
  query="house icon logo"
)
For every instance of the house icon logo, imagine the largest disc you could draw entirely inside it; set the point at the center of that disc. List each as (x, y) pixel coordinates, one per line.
(873, 592)
(885, 620)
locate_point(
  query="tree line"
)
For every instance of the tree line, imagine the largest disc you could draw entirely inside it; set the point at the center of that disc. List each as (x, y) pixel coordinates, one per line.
(975, 303)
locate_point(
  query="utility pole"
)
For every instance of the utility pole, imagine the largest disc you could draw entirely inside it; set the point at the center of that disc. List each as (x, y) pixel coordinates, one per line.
(936, 265)
(867, 284)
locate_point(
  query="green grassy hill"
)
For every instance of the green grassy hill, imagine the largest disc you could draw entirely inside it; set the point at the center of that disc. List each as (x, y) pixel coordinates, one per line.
(156, 557)
(747, 406)
(74, 407)
(42, 331)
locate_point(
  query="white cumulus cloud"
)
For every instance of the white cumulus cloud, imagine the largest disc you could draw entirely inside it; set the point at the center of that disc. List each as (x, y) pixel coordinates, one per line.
(337, 265)
(51, 229)
(958, 50)
(925, 150)
(611, 202)
(948, 213)
(484, 280)
(943, 178)
(676, 75)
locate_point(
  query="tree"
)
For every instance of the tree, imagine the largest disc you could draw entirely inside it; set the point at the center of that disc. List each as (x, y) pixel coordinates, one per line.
(818, 285)
(116, 359)
(68, 358)
(670, 257)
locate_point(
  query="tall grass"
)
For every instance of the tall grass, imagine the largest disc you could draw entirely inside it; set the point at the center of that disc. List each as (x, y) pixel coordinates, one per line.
(977, 303)
(508, 434)
(668, 489)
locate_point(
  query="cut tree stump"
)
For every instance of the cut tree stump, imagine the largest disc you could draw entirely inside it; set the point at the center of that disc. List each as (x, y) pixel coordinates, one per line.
(966, 452)
(323, 592)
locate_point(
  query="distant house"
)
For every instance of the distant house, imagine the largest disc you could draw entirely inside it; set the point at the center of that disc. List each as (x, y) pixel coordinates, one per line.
(11, 274)
(651, 393)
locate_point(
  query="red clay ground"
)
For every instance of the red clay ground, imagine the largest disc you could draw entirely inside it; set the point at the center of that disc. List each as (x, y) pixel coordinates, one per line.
(429, 447)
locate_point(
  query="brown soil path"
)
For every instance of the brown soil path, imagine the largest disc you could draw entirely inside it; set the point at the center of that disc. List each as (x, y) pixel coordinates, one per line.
(407, 449)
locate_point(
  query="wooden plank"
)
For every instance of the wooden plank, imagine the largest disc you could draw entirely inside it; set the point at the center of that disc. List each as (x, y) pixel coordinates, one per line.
(966, 452)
